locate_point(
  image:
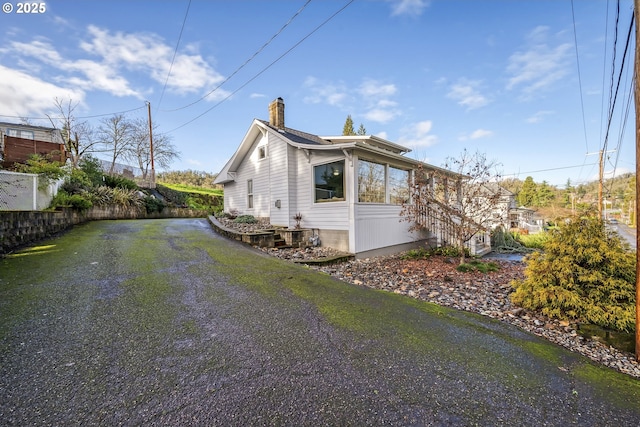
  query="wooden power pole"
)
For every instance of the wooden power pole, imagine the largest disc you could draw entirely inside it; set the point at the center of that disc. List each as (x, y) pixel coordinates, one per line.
(153, 169)
(636, 93)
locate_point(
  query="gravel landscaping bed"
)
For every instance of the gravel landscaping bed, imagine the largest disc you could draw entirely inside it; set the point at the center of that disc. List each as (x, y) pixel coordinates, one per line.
(436, 280)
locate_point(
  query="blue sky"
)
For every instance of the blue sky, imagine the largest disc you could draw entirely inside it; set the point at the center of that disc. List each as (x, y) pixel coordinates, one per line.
(503, 77)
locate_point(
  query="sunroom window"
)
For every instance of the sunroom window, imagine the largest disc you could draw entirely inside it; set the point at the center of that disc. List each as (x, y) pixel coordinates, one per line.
(371, 182)
(328, 182)
(398, 186)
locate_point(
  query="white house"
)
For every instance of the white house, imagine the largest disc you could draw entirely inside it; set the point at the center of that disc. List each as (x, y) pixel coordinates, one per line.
(348, 189)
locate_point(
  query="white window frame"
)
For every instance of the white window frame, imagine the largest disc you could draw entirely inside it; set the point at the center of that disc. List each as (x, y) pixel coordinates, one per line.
(317, 200)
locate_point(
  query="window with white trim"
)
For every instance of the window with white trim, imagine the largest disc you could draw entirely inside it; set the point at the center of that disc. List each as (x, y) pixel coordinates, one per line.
(250, 194)
(371, 182)
(328, 182)
(398, 186)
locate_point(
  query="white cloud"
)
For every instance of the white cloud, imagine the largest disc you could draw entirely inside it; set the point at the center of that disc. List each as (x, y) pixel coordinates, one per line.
(24, 95)
(465, 92)
(149, 54)
(321, 92)
(371, 95)
(477, 134)
(418, 135)
(381, 115)
(539, 116)
(107, 58)
(374, 89)
(539, 65)
(408, 7)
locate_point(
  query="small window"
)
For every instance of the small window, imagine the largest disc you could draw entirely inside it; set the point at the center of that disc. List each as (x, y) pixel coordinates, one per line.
(328, 182)
(13, 132)
(250, 194)
(262, 152)
(26, 134)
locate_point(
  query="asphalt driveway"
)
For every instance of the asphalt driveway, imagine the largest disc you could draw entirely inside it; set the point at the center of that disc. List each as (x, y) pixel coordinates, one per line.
(163, 322)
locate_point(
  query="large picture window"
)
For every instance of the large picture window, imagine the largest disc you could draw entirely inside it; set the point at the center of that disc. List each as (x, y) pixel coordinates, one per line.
(371, 182)
(328, 182)
(398, 186)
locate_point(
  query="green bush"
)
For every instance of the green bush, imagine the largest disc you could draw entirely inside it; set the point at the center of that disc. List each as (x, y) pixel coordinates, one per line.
(533, 241)
(475, 265)
(424, 253)
(92, 169)
(75, 201)
(77, 182)
(585, 274)
(245, 219)
(120, 182)
(152, 204)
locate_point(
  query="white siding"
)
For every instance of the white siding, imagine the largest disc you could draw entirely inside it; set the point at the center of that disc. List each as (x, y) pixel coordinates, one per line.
(278, 188)
(327, 215)
(379, 226)
(235, 193)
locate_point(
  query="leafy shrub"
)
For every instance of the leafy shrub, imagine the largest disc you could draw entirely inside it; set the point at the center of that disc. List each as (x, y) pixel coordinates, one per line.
(37, 164)
(153, 204)
(78, 202)
(424, 253)
(120, 182)
(245, 219)
(420, 253)
(75, 201)
(534, 241)
(77, 182)
(92, 168)
(475, 265)
(585, 273)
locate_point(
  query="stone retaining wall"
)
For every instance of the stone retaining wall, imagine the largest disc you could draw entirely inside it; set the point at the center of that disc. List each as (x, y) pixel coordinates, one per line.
(19, 228)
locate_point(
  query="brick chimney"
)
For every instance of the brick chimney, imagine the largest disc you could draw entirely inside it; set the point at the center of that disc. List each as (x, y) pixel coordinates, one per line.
(276, 113)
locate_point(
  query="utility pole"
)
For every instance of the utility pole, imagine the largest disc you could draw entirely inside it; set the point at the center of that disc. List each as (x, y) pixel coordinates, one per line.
(153, 169)
(600, 183)
(636, 93)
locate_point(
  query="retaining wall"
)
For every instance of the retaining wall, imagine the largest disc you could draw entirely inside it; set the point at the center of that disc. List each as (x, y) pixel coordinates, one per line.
(19, 228)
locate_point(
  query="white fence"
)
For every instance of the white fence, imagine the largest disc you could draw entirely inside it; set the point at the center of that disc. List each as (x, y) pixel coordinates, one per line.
(25, 192)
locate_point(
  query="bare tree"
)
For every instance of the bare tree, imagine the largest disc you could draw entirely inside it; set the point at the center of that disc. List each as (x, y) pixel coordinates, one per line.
(164, 152)
(116, 135)
(77, 135)
(462, 198)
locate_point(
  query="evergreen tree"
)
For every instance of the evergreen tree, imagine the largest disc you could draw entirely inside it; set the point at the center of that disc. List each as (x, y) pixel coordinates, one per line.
(585, 273)
(362, 130)
(348, 126)
(544, 194)
(528, 193)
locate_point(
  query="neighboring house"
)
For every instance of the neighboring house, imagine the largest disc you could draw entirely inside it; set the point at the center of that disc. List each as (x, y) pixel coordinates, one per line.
(348, 189)
(509, 216)
(18, 142)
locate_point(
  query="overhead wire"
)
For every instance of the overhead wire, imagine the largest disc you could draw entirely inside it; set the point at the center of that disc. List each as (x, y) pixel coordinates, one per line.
(80, 117)
(256, 53)
(175, 52)
(265, 68)
(575, 37)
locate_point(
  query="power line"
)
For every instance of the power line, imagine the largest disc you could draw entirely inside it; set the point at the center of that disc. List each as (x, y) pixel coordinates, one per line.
(175, 51)
(83, 117)
(551, 169)
(575, 37)
(265, 68)
(245, 62)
